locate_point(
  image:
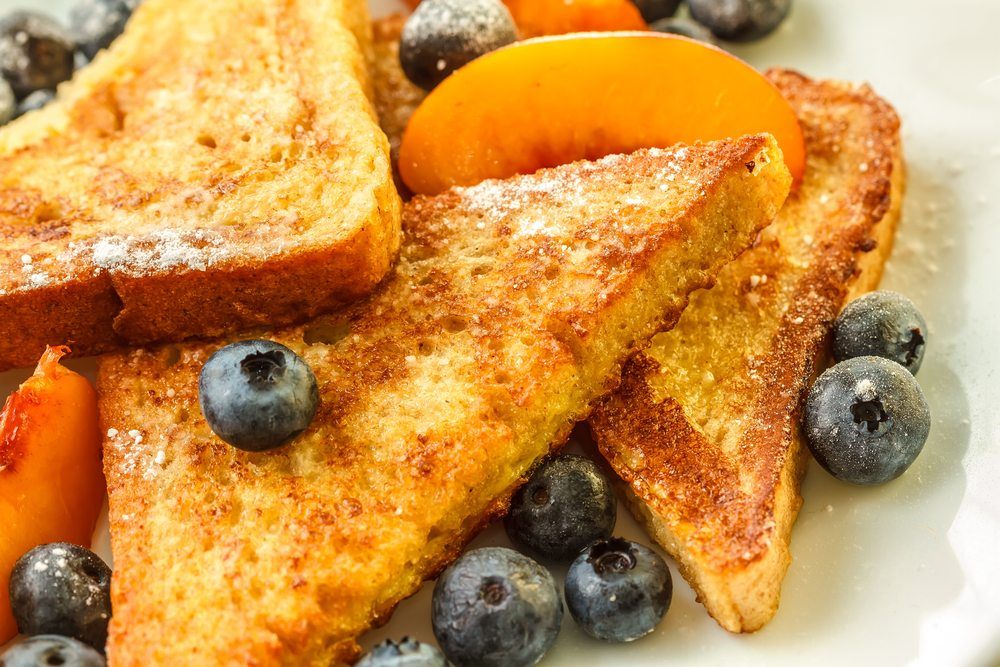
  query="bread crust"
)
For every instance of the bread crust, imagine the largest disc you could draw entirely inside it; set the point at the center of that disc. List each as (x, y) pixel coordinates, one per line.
(704, 430)
(220, 167)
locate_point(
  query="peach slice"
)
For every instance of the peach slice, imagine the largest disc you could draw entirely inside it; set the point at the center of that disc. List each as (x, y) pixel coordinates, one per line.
(549, 101)
(51, 484)
(558, 17)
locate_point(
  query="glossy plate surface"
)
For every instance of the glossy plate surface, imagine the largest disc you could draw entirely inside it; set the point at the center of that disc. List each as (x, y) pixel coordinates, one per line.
(908, 573)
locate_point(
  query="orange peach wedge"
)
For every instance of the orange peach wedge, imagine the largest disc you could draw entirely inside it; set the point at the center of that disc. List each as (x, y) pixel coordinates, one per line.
(51, 484)
(558, 17)
(549, 101)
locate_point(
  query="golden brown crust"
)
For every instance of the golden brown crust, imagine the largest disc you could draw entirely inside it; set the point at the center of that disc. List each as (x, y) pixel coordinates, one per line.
(704, 428)
(511, 310)
(196, 180)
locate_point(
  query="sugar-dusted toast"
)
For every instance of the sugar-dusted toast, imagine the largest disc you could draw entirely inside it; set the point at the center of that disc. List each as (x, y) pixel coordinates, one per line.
(705, 427)
(511, 310)
(219, 167)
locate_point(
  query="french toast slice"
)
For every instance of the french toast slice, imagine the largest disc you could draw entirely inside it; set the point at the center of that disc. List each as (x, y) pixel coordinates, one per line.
(704, 429)
(220, 167)
(511, 310)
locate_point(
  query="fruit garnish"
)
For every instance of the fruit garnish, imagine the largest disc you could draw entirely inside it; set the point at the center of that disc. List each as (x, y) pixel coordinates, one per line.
(494, 606)
(37, 52)
(566, 504)
(881, 324)
(549, 101)
(617, 590)
(559, 17)
(866, 420)
(257, 395)
(740, 20)
(443, 35)
(51, 484)
(63, 589)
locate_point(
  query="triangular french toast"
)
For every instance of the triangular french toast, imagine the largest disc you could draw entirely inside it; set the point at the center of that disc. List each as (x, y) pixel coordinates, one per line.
(219, 167)
(705, 427)
(510, 312)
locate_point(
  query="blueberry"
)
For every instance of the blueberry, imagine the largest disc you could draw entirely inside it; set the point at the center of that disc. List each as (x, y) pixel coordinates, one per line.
(96, 23)
(654, 10)
(881, 324)
(866, 420)
(35, 101)
(8, 105)
(47, 650)
(257, 394)
(442, 35)
(567, 504)
(407, 653)
(685, 28)
(617, 590)
(62, 589)
(740, 20)
(35, 52)
(496, 608)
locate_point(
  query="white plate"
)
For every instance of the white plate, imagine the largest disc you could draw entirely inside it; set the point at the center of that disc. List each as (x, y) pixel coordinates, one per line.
(908, 573)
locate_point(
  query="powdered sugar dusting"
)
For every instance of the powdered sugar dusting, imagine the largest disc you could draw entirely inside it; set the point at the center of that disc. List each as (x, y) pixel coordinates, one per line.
(136, 455)
(497, 199)
(865, 389)
(160, 251)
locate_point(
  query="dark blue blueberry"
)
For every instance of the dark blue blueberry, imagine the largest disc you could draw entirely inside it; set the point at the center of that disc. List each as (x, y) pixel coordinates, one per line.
(866, 420)
(8, 104)
(36, 52)
(618, 591)
(654, 10)
(257, 394)
(48, 650)
(62, 589)
(881, 324)
(684, 27)
(35, 101)
(496, 608)
(96, 23)
(740, 20)
(407, 653)
(442, 35)
(567, 504)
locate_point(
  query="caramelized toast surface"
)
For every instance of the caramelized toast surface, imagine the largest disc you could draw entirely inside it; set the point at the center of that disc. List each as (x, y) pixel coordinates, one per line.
(220, 166)
(704, 430)
(511, 311)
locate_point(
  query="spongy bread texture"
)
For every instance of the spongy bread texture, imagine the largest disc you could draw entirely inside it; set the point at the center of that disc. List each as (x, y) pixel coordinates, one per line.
(704, 430)
(219, 167)
(511, 310)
